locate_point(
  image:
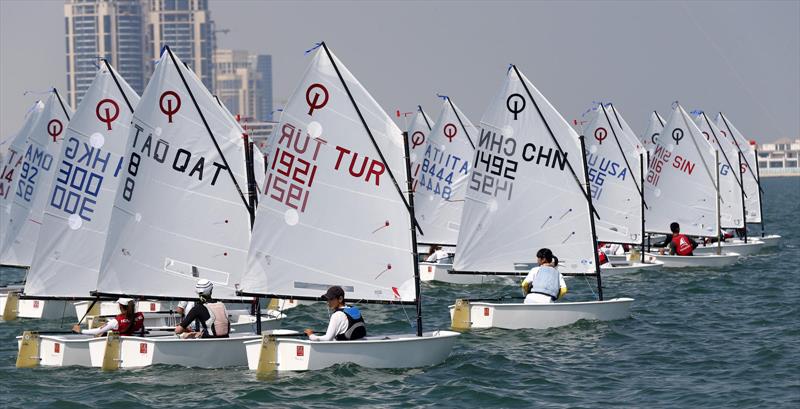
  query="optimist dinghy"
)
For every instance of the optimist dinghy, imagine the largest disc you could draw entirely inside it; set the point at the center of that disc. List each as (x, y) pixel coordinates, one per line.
(616, 160)
(183, 212)
(346, 161)
(441, 182)
(701, 260)
(528, 190)
(37, 149)
(683, 185)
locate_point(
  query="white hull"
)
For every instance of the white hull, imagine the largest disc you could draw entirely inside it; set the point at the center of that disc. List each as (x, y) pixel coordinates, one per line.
(138, 352)
(770, 240)
(541, 316)
(39, 309)
(752, 246)
(622, 267)
(77, 350)
(704, 260)
(392, 351)
(110, 308)
(438, 272)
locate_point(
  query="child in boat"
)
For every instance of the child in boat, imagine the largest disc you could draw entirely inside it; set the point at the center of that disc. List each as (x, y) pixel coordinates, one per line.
(544, 284)
(346, 323)
(438, 255)
(127, 322)
(679, 244)
(212, 316)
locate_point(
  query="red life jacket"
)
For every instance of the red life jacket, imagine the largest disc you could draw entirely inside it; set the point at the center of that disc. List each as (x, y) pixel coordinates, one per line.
(683, 247)
(602, 257)
(126, 327)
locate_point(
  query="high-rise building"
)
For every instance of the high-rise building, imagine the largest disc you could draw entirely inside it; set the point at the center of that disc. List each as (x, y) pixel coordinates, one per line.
(244, 83)
(186, 27)
(110, 29)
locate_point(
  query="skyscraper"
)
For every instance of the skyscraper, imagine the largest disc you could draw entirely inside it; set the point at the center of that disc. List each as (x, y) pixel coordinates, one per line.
(186, 27)
(110, 29)
(244, 83)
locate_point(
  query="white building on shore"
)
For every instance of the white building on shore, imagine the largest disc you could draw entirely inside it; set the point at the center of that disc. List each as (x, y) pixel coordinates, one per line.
(779, 158)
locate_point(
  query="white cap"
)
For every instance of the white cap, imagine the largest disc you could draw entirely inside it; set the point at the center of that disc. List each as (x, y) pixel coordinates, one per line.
(203, 287)
(124, 301)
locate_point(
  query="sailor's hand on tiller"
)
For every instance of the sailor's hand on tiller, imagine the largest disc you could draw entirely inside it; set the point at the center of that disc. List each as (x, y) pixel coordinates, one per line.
(309, 331)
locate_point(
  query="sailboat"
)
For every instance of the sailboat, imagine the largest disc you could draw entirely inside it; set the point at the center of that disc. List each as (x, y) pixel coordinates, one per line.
(650, 137)
(418, 131)
(183, 212)
(339, 182)
(616, 162)
(527, 190)
(731, 190)
(682, 186)
(440, 188)
(31, 184)
(751, 180)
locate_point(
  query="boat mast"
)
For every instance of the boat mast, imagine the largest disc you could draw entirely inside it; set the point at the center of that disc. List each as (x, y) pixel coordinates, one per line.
(413, 234)
(719, 226)
(591, 221)
(744, 208)
(641, 180)
(760, 199)
(424, 117)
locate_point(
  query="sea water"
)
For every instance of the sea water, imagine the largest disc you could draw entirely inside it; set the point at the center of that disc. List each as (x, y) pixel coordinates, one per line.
(720, 338)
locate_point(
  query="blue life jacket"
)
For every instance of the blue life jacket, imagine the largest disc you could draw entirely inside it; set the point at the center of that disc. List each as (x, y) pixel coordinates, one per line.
(356, 328)
(547, 282)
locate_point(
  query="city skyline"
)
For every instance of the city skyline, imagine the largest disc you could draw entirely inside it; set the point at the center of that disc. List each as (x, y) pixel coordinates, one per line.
(741, 58)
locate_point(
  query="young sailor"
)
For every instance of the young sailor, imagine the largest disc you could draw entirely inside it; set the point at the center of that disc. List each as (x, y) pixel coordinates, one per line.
(679, 244)
(438, 256)
(211, 315)
(544, 284)
(346, 322)
(127, 322)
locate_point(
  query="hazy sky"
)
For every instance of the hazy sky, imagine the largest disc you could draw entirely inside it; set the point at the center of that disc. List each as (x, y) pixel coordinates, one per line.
(742, 58)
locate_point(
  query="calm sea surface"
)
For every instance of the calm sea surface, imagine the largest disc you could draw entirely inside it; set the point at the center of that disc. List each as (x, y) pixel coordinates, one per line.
(698, 338)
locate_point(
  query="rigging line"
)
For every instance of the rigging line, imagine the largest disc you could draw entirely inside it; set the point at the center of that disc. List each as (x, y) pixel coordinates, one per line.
(613, 132)
(63, 108)
(733, 137)
(659, 118)
(372, 138)
(116, 81)
(694, 142)
(724, 155)
(425, 117)
(550, 131)
(208, 128)
(732, 67)
(460, 122)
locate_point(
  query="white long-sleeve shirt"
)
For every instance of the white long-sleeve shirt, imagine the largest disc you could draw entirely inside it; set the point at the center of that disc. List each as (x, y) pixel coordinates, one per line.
(337, 325)
(111, 325)
(438, 256)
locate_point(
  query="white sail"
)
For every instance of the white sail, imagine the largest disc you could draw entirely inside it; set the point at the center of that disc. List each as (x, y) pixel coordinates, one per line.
(32, 181)
(749, 164)
(180, 213)
(441, 184)
(78, 210)
(12, 156)
(731, 212)
(523, 194)
(418, 130)
(680, 182)
(613, 165)
(331, 214)
(651, 135)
